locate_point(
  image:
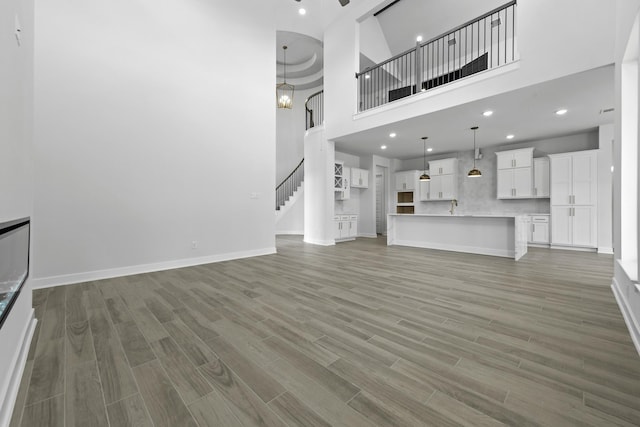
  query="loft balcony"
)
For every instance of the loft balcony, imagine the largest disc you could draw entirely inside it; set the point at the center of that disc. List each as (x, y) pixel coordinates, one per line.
(484, 43)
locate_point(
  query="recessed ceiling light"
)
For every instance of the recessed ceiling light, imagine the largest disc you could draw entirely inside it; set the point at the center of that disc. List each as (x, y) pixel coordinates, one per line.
(383, 147)
(392, 135)
(429, 149)
(561, 112)
(510, 136)
(302, 11)
(419, 38)
(487, 113)
(367, 76)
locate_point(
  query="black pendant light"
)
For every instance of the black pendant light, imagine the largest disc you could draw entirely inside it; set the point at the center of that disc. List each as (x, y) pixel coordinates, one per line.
(475, 172)
(284, 91)
(425, 176)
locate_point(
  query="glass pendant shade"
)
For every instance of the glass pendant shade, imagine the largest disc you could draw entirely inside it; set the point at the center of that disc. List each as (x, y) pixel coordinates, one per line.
(425, 176)
(475, 172)
(284, 91)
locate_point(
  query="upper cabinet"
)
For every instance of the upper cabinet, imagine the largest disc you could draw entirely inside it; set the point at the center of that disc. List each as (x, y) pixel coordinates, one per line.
(338, 176)
(444, 180)
(406, 181)
(359, 178)
(541, 177)
(515, 174)
(345, 193)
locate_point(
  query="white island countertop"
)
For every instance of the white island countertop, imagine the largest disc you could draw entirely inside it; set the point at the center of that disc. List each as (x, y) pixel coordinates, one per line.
(503, 235)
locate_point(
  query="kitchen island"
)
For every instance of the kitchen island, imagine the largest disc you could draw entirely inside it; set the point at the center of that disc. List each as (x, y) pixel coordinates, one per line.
(496, 235)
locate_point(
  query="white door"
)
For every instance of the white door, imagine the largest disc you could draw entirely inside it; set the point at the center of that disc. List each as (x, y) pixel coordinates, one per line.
(425, 187)
(505, 161)
(541, 177)
(540, 232)
(584, 179)
(505, 183)
(381, 214)
(522, 159)
(447, 187)
(522, 182)
(435, 190)
(561, 180)
(561, 225)
(584, 226)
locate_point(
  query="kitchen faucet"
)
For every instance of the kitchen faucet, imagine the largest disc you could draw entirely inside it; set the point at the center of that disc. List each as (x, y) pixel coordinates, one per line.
(454, 203)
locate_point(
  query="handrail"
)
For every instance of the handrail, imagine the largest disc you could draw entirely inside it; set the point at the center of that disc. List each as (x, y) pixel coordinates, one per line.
(289, 185)
(317, 105)
(446, 33)
(480, 44)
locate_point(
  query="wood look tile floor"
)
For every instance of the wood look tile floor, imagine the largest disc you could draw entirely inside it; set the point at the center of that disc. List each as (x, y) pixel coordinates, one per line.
(359, 334)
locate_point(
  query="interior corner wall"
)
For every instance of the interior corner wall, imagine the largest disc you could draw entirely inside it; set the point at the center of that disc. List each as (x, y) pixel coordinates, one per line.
(16, 188)
(154, 138)
(373, 43)
(605, 188)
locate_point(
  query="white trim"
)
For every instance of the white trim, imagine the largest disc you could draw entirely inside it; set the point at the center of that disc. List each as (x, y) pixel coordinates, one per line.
(632, 323)
(17, 369)
(368, 235)
(456, 248)
(320, 242)
(538, 245)
(68, 279)
(605, 250)
(573, 248)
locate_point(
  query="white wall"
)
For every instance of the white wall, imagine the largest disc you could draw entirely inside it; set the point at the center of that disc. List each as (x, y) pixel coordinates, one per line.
(571, 42)
(319, 156)
(290, 218)
(605, 188)
(16, 190)
(152, 130)
(625, 278)
(290, 128)
(479, 195)
(373, 43)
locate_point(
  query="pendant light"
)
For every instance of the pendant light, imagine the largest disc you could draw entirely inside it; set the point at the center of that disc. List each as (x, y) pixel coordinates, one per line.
(425, 176)
(475, 172)
(284, 91)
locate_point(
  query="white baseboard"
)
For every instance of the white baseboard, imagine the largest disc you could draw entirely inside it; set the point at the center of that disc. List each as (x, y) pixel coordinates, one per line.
(633, 324)
(573, 248)
(605, 250)
(320, 242)
(290, 232)
(68, 279)
(369, 235)
(19, 362)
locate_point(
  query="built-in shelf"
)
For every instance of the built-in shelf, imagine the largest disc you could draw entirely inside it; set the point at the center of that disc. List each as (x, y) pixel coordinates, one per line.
(405, 197)
(405, 209)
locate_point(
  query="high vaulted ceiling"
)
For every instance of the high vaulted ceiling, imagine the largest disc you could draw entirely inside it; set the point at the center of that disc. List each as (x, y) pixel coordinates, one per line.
(304, 60)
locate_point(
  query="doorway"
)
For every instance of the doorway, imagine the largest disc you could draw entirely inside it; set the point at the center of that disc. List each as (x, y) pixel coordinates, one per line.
(381, 201)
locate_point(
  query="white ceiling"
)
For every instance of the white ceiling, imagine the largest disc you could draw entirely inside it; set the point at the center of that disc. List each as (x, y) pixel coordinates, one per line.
(304, 60)
(527, 113)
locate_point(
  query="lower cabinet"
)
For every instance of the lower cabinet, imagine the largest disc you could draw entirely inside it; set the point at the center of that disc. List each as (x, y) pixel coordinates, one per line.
(345, 227)
(539, 230)
(574, 226)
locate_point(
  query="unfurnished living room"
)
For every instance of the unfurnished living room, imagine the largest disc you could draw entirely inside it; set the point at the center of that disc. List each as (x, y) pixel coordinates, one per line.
(319, 213)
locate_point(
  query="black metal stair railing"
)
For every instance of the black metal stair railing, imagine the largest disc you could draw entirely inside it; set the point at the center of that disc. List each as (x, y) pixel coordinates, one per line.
(289, 185)
(314, 110)
(483, 43)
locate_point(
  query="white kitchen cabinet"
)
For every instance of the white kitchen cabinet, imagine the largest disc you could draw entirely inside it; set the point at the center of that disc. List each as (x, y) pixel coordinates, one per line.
(406, 181)
(345, 227)
(425, 188)
(443, 187)
(444, 180)
(574, 199)
(345, 193)
(359, 178)
(515, 174)
(521, 158)
(541, 177)
(539, 229)
(338, 176)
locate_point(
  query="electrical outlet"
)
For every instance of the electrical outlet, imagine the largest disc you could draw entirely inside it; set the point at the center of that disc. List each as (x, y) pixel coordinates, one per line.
(194, 244)
(253, 195)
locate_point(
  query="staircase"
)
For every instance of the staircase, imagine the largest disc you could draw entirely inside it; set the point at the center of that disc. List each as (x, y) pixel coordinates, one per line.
(289, 185)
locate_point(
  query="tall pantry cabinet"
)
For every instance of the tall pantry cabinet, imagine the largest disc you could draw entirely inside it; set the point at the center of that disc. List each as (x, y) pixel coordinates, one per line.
(574, 198)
